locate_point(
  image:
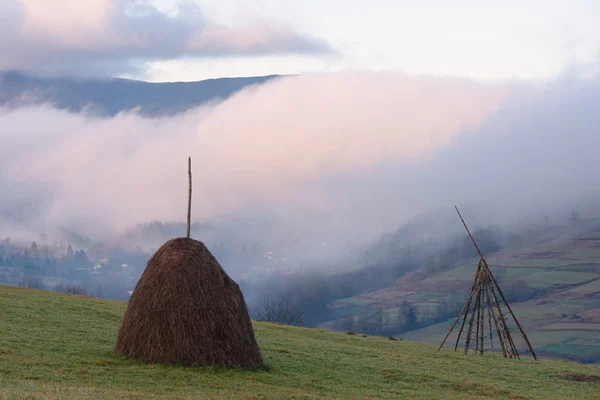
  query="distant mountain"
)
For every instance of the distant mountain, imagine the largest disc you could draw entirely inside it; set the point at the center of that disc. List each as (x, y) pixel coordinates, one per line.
(110, 96)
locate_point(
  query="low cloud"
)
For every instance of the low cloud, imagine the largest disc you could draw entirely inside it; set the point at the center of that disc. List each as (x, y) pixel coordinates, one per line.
(253, 152)
(339, 157)
(103, 37)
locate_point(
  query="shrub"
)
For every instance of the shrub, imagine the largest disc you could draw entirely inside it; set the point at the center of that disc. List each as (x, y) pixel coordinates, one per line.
(31, 282)
(70, 288)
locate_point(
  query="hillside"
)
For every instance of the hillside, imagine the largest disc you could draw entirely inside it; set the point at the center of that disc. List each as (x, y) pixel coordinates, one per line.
(552, 283)
(55, 345)
(111, 96)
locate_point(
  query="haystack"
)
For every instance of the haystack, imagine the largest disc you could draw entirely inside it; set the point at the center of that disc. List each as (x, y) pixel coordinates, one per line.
(186, 309)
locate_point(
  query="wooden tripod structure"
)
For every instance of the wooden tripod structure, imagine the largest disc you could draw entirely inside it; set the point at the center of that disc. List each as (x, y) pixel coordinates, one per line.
(484, 296)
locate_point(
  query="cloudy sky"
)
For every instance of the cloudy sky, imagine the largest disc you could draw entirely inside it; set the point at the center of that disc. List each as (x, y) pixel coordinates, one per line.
(170, 40)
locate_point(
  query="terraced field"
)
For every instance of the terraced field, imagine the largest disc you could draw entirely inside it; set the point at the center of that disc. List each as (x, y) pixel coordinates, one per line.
(562, 320)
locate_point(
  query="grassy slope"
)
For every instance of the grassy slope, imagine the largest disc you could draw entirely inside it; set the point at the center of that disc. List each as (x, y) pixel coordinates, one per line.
(59, 346)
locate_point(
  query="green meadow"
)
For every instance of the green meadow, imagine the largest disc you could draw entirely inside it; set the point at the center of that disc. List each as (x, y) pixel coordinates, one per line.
(60, 346)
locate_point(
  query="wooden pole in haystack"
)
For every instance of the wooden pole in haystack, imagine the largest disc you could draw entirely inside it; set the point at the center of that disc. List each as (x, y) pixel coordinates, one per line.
(483, 296)
(189, 210)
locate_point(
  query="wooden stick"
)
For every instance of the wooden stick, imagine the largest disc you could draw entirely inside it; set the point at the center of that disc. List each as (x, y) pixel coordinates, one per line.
(512, 343)
(482, 330)
(465, 306)
(495, 313)
(482, 261)
(189, 210)
(470, 331)
(499, 335)
(453, 325)
(462, 327)
(509, 341)
(499, 291)
(468, 304)
(469, 232)
(489, 310)
(477, 348)
(502, 323)
(510, 310)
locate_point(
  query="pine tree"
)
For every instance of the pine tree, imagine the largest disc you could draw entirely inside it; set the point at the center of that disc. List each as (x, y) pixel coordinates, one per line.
(81, 258)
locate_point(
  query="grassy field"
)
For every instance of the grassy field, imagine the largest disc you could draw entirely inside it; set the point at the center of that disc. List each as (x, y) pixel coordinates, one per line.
(592, 287)
(59, 346)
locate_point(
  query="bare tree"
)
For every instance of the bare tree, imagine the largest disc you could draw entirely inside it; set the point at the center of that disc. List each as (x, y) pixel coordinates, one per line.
(31, 282)
(280, 309)
(70, 289)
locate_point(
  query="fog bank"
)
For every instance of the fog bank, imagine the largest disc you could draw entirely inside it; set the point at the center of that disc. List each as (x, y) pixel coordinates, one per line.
(330, 157)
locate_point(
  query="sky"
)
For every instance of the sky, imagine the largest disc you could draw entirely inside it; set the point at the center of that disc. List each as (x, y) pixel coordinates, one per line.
(167, 40)
(485, 40)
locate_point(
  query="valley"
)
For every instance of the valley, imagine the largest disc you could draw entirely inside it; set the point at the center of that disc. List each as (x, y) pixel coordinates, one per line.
(552, 286)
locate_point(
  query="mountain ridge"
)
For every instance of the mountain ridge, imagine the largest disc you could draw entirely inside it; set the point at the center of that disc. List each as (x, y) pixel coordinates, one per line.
(110, 96)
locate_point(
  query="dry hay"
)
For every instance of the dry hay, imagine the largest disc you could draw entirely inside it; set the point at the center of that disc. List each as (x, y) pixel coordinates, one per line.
(185, 309)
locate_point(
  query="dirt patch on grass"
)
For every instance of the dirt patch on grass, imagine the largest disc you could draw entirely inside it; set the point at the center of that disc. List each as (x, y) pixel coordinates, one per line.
(578, 377)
